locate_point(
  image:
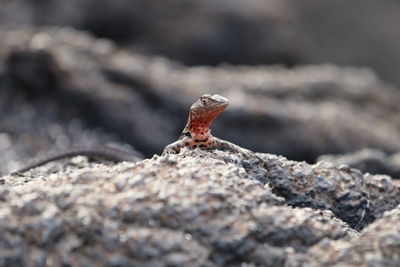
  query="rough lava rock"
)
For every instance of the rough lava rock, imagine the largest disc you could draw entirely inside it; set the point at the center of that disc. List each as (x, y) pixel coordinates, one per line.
(368, 160)
(352, 196)
(206, 208)
(377, 245)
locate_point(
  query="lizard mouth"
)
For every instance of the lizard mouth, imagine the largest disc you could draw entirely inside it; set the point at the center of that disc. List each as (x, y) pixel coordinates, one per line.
(211, 112)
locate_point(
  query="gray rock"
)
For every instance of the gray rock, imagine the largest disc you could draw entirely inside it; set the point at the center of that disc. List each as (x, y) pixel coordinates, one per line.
(196, 208)
(373, 161)
(378, 245)
(356, 198)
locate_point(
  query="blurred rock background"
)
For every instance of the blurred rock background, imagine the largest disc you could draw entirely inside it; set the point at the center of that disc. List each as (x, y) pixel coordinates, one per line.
(320, 76)
(289, 32)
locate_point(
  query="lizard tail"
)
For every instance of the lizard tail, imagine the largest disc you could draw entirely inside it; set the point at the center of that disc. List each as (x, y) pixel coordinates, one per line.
(105, 152)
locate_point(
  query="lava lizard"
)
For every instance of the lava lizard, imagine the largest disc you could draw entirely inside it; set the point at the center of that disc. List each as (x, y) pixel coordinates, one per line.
(196, 134)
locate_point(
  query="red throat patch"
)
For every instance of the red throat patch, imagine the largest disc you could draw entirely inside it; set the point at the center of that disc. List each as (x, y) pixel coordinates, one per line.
(201, 121)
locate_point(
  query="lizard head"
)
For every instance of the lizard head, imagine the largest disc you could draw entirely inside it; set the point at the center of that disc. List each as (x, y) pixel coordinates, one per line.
(205, 110)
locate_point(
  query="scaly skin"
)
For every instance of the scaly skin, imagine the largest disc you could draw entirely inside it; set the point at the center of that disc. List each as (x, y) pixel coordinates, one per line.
(197, 132)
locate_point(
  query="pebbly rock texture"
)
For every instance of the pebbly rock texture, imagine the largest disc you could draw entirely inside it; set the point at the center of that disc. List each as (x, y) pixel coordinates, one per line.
(196, 208)
(356, 198)
(368, 160)
(62, 88)
(378, 245)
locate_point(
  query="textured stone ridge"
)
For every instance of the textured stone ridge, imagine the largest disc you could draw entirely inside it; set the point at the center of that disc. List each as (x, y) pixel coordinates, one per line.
(378, 245)
(352, 196)
(196, 208)
(373, 161)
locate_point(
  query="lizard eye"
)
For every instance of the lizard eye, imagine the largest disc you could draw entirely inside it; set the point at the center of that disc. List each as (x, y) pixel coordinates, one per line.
(203, 101)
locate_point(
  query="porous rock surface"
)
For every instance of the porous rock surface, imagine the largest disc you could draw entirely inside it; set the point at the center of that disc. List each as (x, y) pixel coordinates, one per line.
(198, 208)
(352, 196)
(377, 245)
